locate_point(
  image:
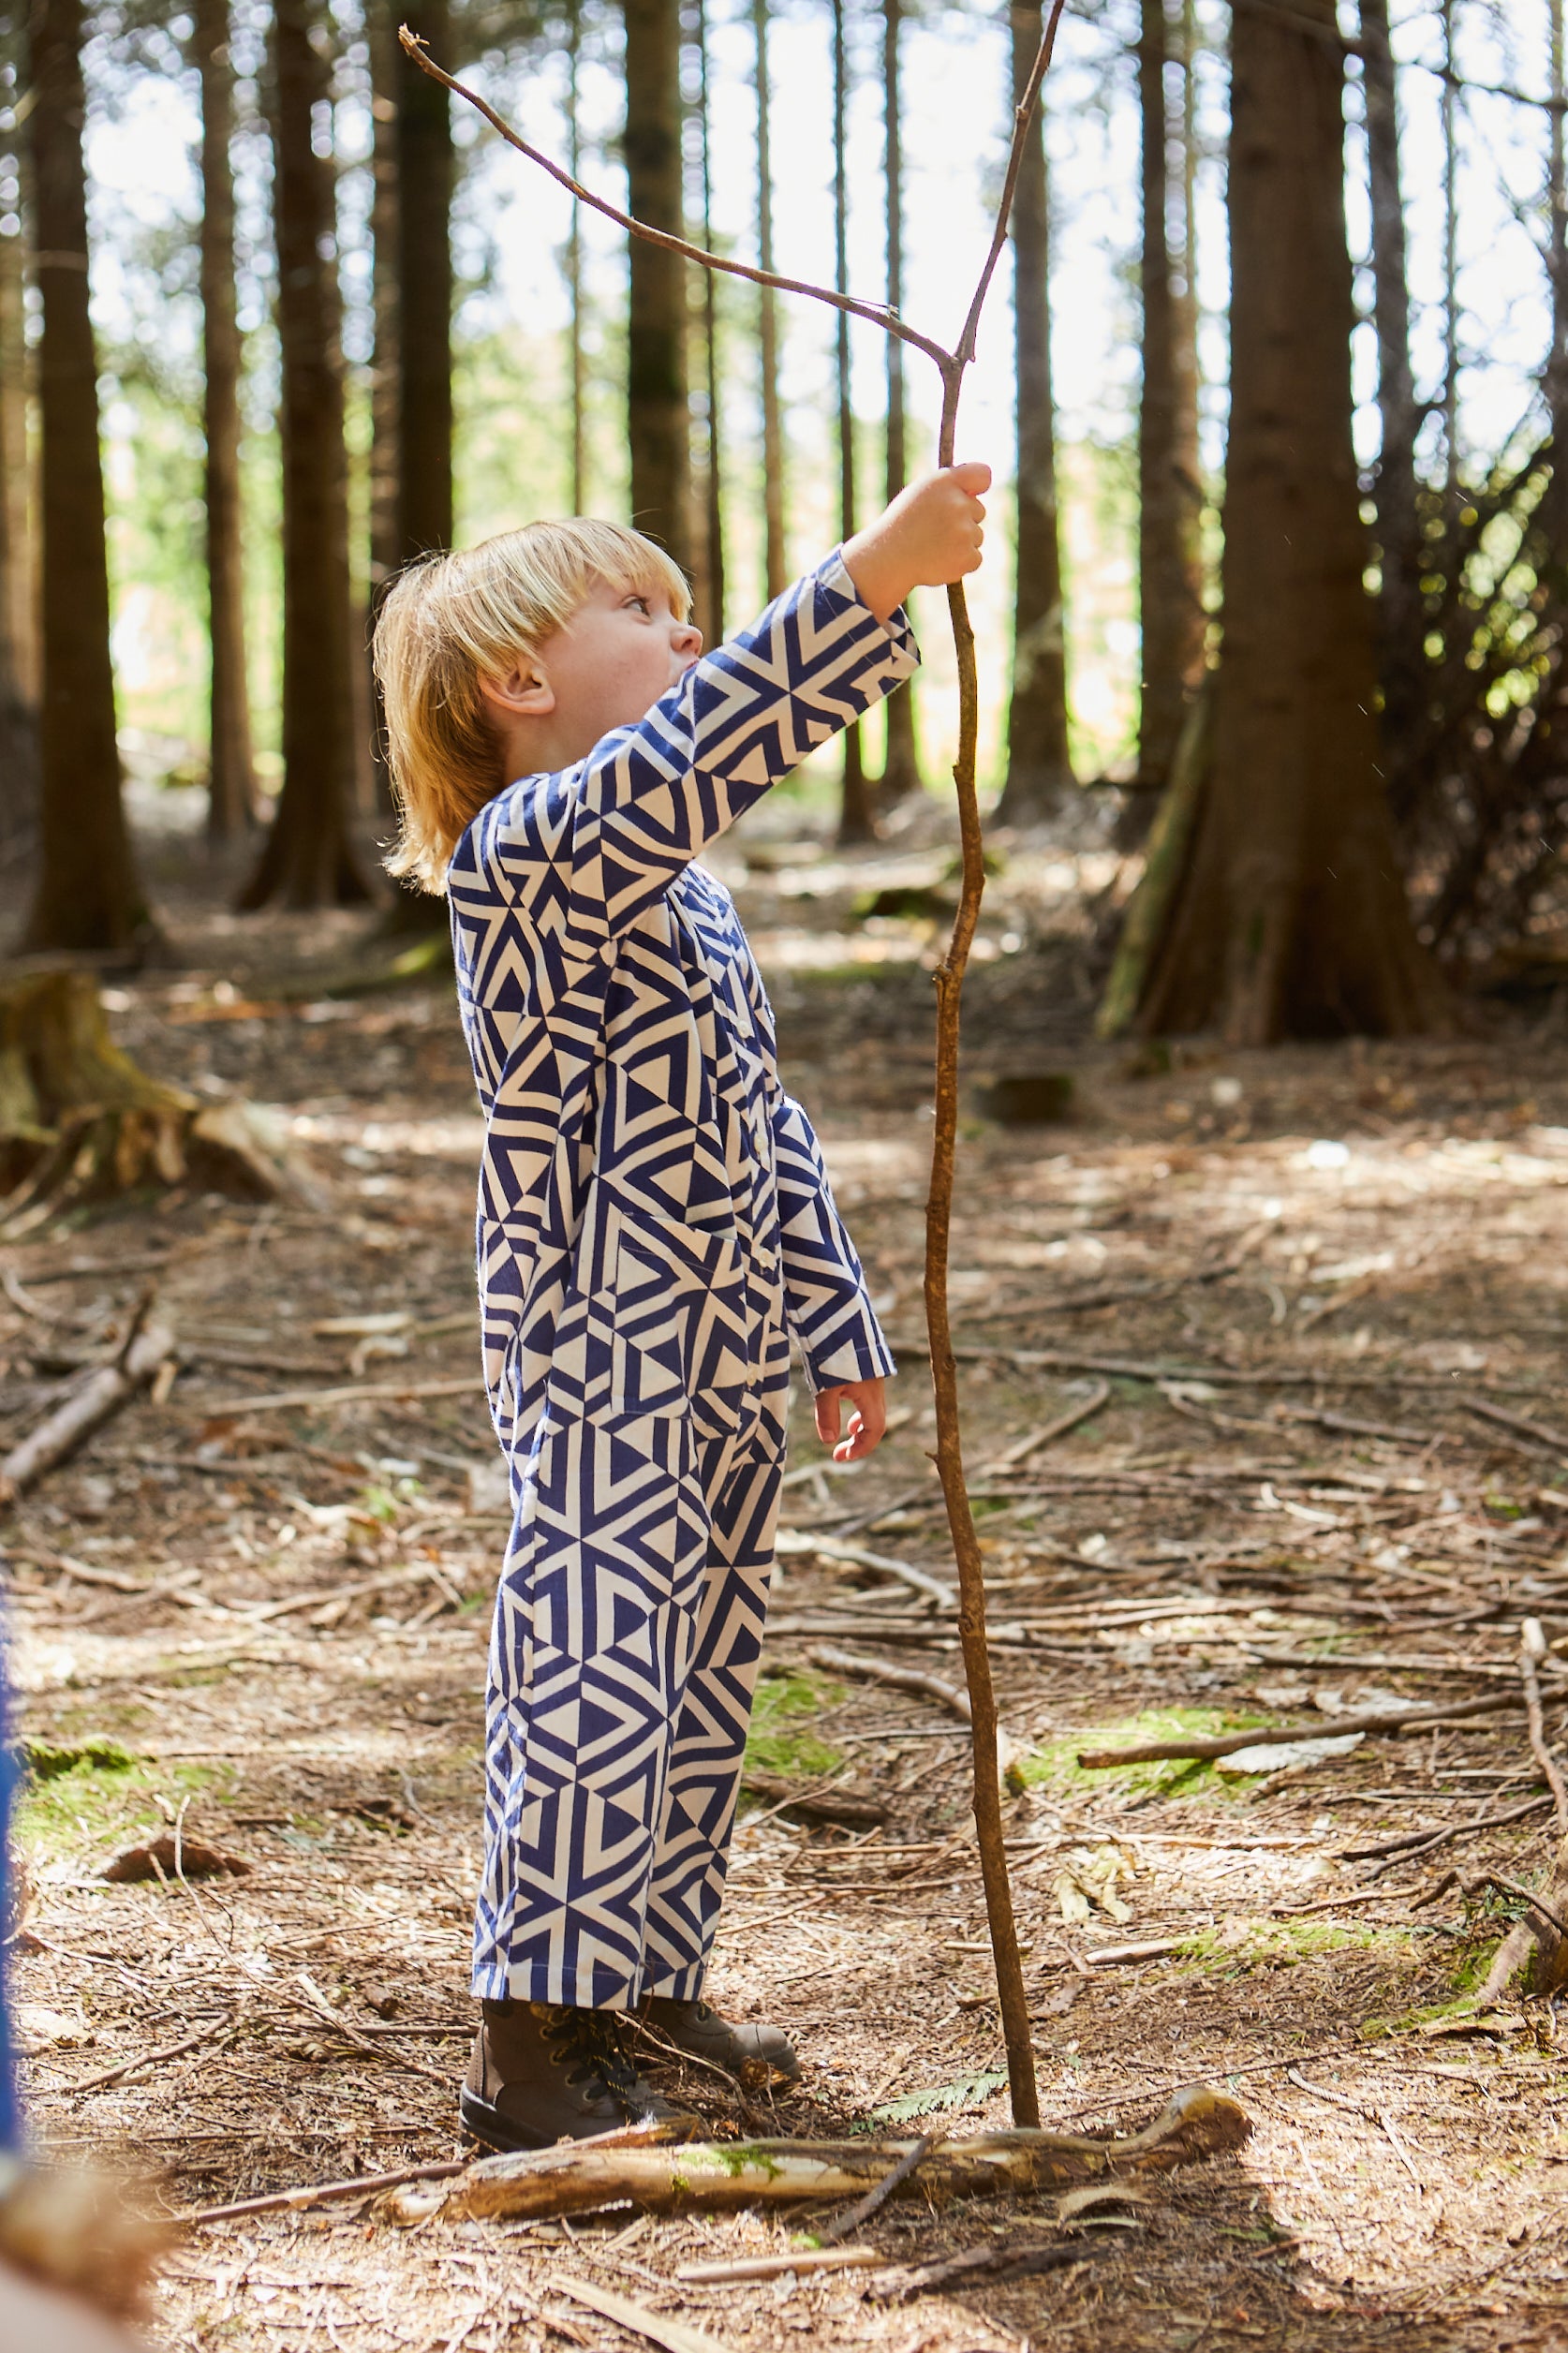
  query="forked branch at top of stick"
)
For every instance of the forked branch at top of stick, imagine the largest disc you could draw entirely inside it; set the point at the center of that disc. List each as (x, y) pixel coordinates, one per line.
(950, 365)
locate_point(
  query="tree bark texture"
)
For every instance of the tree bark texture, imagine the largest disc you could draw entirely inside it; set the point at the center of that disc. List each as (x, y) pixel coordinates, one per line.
(1403, 659)
(1554, 515)
(386, 66)
(710, 604)
(576, 355)
(1038, 765)
(1170, 497)
(1292, 922)
(657, 425)
(424, 187)
(307, 860)
(88, 894)
(232, 791)
(901, 764)
(856, 821)
(19, 708)
(775, 561)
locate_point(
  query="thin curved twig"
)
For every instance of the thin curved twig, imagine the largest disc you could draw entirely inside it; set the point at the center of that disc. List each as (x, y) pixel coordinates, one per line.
(1012, 1998)
(876, 314)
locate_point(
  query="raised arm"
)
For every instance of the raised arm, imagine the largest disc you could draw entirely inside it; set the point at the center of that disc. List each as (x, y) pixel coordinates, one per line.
(582, 852)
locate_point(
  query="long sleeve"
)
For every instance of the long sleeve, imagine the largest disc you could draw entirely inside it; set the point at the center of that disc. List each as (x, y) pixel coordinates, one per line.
(580, 854)
(825, 1297)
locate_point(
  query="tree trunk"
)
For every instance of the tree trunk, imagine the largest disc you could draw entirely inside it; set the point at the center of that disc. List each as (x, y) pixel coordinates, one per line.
(307, 860)
(901, 765)
(232, 791)
(1170, 572)
(1554, 517)
(1403, 662)
(19, 710)
(88, 895)
(774, 562)
(577, 357)
(856, 822)
(1038, 765)
(386, 63)
(1292, 922)
(711, 571)
(424, 184)
(657, 424)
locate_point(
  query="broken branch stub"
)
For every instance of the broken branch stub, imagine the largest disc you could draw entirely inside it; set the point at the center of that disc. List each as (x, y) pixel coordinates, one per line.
(99, 1398)
(950, 365)
(1198, 2123)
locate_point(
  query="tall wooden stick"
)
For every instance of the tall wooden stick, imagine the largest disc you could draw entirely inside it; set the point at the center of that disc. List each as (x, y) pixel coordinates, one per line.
(949, 984)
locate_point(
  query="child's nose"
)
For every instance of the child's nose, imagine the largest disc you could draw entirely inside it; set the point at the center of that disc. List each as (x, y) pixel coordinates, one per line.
(687, 641)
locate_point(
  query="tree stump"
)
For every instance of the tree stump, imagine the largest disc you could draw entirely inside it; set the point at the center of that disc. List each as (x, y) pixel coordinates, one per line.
(81, 1121)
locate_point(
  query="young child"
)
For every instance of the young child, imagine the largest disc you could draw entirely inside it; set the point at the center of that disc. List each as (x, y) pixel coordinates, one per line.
(653, 1223)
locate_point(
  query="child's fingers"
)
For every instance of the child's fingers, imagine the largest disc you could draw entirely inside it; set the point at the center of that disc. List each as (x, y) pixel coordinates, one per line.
(972, 477)
(829, 1409)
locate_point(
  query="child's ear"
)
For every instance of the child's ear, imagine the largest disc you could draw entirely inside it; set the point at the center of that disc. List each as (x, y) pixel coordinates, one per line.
(524, 692)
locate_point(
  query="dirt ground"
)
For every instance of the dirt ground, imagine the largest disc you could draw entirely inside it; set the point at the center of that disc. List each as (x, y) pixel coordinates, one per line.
(1313, 1302)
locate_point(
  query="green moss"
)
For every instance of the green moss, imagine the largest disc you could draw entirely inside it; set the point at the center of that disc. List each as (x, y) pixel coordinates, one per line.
(778, 1741)
(1267, 1943)
(46, 1760)
(1057, 1762)
(745, 2157)
(100, 1798)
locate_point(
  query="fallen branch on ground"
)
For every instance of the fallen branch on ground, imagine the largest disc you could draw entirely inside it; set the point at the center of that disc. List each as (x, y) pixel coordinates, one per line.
(876, 2198)
(1331, 1728)
(577, 2178)
(1412, 1843)
(1535, 1949)
(1010, 1752)
(1532, 1657)
(100, 1397)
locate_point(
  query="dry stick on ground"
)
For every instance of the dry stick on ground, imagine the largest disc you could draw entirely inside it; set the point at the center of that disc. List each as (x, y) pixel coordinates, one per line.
(950, 365)
(875, 2199)
(100, 1397)
(577, 2178)
(1538, 1943)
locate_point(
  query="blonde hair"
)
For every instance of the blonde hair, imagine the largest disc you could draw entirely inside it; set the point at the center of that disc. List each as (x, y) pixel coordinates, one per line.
(447, 622)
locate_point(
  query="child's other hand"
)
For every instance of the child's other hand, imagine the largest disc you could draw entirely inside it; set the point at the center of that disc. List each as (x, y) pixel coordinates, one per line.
(930, 535)
(867, 1418)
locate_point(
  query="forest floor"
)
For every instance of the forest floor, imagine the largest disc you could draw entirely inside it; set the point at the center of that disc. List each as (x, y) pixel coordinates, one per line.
(266, 1621)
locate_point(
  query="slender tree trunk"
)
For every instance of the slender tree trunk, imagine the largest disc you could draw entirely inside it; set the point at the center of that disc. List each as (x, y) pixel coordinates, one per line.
(232, 793)
(1403, 664)
(657, 424)
(424, 186)
(774, 562)
(307, 861)
(856, 818)
(385, 547)
(1293, 920)
(1170, 577)
(1450, 262)
(901, 765)
(576, 356)
(1039, 766)
(1555, 518)
(713, 499)
(88, 893)
(18, 709)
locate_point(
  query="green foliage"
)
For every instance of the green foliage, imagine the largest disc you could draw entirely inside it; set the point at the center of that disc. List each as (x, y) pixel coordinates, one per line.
(776, 1743)
(964, 2091)
(46, 1760)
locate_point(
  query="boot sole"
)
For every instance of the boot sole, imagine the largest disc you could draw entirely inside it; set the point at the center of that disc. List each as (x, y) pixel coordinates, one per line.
(487, 2124)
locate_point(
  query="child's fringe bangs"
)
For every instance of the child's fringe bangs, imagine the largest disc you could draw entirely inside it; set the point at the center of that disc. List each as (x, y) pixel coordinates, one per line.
(447, 622)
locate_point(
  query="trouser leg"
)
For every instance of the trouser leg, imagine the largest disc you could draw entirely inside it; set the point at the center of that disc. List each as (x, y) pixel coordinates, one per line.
(709, 1745)
(596, 1623)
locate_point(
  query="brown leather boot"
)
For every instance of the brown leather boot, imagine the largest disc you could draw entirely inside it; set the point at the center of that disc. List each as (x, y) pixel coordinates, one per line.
(698, 2031)
(541, 2073)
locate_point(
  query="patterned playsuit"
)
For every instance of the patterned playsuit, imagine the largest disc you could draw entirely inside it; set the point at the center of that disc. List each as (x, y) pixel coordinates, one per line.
(653, 1221)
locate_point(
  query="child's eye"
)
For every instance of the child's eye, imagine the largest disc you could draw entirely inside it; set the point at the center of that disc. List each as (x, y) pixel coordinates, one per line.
(642, 605)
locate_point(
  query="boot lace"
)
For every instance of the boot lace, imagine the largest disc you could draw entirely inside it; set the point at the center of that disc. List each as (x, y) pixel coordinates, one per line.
(588, 2044)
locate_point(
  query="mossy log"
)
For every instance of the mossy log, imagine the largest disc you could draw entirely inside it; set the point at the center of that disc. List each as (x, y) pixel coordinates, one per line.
(1197, 2124)
(81, 1121)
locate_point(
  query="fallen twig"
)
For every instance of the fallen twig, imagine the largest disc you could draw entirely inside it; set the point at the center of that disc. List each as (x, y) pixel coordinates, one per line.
(1024, 1448)
(803, 2260)
(1532, 1655)
(1227, 1744)
(989, 2263)
(1008, 1752)
(579, 2178)
(1550, 1441)
(875, 2199)
(1412, 1843)
(320, 2193)
(106, 2076)
(100, 1397)
(676, 2336)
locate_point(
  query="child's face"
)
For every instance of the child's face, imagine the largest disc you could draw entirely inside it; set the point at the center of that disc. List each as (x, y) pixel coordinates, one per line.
(620, 651)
